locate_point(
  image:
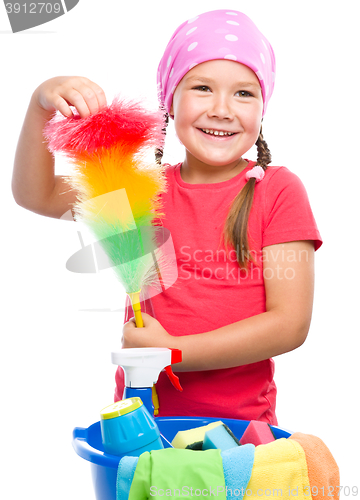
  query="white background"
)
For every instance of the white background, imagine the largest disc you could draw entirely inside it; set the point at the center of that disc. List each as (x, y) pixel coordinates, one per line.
(56, 372)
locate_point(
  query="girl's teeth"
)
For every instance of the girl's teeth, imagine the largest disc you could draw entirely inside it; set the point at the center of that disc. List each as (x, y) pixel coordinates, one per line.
(215, 132)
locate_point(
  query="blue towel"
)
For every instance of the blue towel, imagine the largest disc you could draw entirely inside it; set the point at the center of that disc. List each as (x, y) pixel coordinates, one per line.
(237, 464)
(125, 474)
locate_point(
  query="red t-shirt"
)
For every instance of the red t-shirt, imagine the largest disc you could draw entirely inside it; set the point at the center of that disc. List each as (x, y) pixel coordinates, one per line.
(212, 291)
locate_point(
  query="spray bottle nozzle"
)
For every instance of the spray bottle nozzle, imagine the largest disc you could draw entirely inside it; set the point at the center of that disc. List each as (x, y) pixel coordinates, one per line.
(176, 356)
(143, 365)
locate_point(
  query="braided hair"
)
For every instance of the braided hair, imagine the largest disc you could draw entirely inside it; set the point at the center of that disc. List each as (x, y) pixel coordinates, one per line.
(159, 152)
(236, 224)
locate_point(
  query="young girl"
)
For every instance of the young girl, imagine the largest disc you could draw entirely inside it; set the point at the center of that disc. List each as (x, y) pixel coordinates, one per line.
(244, 232)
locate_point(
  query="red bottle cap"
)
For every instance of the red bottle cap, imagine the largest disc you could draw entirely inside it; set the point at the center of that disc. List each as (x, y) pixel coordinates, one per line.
(176, 356)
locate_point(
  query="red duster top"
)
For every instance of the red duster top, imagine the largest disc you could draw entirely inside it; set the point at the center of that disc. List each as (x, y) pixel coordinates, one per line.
(212, 291)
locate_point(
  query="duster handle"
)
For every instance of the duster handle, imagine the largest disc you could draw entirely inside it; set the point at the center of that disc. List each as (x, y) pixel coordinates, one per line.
(135, 302)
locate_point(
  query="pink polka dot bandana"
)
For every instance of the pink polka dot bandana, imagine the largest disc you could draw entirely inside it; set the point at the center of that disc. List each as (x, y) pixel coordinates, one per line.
(219, 34)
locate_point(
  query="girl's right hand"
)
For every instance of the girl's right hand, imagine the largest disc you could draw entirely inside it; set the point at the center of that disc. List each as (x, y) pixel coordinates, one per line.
(61, 92)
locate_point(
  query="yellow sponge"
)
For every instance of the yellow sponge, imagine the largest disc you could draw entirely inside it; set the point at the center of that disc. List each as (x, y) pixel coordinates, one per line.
(193, 438)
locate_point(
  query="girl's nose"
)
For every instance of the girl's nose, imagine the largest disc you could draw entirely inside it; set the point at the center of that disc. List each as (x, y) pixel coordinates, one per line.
(220, 108)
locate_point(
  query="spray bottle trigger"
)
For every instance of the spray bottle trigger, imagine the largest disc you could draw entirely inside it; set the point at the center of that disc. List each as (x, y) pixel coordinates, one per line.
(174, 379)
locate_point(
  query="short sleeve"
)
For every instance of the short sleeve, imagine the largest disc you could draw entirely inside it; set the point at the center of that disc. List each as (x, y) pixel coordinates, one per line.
(287, 212)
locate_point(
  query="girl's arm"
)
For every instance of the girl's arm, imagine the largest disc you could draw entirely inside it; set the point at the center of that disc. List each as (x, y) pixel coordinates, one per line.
(282, 328)
(34, 184)
(289, 285)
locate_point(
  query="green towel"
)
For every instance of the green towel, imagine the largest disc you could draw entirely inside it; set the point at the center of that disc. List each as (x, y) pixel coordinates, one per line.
(177, 473)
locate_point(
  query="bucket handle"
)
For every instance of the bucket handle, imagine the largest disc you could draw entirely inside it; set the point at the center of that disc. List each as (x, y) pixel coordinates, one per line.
(87, 452)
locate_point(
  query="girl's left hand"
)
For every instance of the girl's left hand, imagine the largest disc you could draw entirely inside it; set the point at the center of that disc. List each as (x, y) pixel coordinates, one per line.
(151, 335)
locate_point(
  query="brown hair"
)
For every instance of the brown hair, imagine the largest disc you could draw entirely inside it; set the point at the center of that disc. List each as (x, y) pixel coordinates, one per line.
(235, 232)
(236, 225)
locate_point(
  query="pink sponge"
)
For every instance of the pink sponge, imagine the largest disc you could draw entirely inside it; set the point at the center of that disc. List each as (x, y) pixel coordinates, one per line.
(257, 433)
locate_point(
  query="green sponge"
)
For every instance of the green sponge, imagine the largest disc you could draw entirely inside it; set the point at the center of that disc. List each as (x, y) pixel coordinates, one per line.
(193, 438)
(220, 438)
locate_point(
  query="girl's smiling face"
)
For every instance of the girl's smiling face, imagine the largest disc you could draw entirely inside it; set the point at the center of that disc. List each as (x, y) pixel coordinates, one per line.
(217, 109)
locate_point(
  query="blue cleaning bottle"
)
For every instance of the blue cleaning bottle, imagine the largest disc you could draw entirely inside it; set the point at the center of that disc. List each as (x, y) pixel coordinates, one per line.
(127, 428)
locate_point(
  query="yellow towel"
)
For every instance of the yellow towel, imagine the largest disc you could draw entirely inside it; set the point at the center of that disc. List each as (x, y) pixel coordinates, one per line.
(279, 471)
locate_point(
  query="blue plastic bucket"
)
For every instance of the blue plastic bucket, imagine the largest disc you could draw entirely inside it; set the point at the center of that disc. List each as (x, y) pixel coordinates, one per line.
(88, 445)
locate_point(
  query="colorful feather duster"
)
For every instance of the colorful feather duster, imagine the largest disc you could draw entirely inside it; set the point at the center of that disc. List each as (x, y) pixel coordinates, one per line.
(118, 190)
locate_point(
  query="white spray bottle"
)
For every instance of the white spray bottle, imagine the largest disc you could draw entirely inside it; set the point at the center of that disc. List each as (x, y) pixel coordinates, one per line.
(142, 367)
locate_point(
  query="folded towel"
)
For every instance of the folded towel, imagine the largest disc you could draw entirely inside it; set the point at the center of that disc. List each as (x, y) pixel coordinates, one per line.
(177, 473)
(286, 468)
(323, 471)
(279, 471)
(125, 475)
(237, 465)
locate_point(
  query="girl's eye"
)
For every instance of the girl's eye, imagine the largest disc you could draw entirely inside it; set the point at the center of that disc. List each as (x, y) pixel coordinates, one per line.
(244, 93)
(203, 88)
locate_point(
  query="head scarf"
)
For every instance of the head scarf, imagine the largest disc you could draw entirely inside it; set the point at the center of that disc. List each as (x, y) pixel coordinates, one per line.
(219, 34)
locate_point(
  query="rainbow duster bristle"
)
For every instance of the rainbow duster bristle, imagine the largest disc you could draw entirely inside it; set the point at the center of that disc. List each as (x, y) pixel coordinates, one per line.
(118, 190)
(124, 121)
